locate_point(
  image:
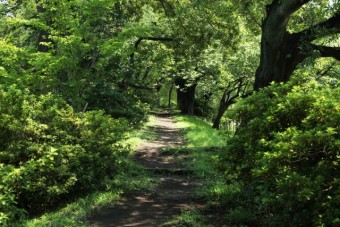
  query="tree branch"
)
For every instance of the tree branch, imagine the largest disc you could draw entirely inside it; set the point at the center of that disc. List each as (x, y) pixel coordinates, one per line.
(278, 15)
(253, 17)
(234, 86)
(139, 40)
(162, 39)
(170, 7)
(326, 51)
(290, 6)
(329, 26)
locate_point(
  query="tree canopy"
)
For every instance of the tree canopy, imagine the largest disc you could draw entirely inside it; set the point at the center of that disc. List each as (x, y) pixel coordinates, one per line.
(76, 76)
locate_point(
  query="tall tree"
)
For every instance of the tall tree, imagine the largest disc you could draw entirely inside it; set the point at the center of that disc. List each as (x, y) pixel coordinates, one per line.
(282, 50)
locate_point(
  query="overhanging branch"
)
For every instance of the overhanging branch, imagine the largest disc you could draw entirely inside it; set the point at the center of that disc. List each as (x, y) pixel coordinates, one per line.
(290, 6)
(139, 40)
(330, 26)
(162, 39)
(326, 51)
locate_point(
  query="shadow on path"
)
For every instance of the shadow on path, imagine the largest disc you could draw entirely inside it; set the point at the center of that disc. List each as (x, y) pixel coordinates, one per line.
(174, 193)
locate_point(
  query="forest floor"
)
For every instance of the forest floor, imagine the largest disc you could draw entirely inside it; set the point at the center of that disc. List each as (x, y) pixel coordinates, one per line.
(174, 193)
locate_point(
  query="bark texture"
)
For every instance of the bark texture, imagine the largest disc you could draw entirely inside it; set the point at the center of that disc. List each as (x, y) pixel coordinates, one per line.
(281, 51)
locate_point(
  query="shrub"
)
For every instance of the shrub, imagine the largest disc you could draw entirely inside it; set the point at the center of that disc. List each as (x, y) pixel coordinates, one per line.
(118, 104)
(285, 152)
(49, 153)
(203, 108)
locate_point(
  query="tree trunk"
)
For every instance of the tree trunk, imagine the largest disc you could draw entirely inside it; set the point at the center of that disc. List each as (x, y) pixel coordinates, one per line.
(233, 91)
(191, 99)
(170, 95)
(278, 62)
(280, 53)
(185, 96)
(226, 101)
(217, 120)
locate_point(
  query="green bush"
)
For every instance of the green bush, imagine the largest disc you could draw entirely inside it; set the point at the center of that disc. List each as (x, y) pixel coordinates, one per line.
(50, 154)
(286, 156)
(118, 104)
(203, 108)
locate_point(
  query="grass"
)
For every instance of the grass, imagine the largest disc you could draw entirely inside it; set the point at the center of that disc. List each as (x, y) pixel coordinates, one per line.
(187, 218)
(203, 145)
(205, 162)
(76, 213)
(199, 133)
(138, 136)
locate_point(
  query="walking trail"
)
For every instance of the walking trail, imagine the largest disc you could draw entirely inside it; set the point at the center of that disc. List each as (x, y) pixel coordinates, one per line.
(174, 194)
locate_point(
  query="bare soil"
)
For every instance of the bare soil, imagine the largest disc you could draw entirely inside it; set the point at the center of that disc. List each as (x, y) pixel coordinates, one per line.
(175, 193)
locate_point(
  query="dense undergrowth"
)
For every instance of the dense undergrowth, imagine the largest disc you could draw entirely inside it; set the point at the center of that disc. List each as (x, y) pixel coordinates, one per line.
(281, 166)
(50, 154)
(283, 162)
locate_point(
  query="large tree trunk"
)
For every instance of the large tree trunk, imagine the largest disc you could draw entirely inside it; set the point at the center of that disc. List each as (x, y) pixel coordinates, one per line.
(185, 96)
(279, 59)
(281, 51)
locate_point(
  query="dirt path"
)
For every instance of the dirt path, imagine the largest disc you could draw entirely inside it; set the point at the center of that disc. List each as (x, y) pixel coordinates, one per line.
(174, 193)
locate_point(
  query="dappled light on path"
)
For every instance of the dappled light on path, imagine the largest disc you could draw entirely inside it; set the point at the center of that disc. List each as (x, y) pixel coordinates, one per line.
(175, 192)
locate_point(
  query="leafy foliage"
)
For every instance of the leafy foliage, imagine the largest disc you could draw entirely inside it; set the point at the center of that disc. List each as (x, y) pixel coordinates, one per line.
(285, 156)
(50, 153)
(64, 63)
(114, 102)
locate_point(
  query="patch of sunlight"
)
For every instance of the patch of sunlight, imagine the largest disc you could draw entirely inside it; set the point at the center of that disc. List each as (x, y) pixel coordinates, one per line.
(187, 218)
(137, 137)
(198, 132)
(75, 213)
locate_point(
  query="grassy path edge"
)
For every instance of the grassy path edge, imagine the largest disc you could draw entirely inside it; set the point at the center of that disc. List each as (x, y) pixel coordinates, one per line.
(77, 213)
(203, 144)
